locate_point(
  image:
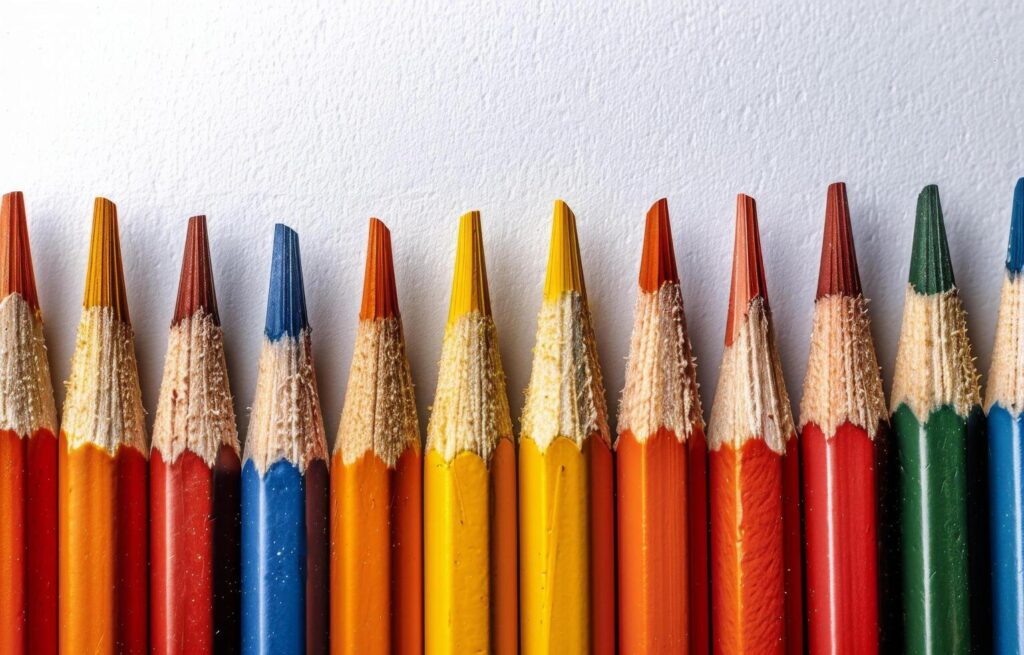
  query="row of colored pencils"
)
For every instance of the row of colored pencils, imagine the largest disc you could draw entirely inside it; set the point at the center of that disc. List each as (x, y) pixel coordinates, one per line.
(855, 530)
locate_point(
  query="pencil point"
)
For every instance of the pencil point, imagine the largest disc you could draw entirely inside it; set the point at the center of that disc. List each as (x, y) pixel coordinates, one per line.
(195, 286)
(380, 298)
(1015, 251)
(658, 262)
(104, 285)
(16, 273)
(838, 274)
(931, 270)
(469, 282)
(286, 301)
(565, 269)
(747, 267)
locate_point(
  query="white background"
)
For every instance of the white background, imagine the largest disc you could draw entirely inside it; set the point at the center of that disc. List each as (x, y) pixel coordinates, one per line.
(323, 115)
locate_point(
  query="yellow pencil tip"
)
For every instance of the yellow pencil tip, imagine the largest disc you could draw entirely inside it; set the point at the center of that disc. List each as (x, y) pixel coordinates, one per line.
(565, 269)
(104, 281)
(469, 283)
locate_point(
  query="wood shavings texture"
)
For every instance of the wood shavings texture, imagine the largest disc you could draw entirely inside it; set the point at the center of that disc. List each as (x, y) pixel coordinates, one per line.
(1005, 385)
(751, 401)
(103, 404)
(26, 393)
(195, 411)
(470, 412)
(934, 364)
(380, 408)
(565, 397)
(661, 372)
(843, 382)
(286, 422)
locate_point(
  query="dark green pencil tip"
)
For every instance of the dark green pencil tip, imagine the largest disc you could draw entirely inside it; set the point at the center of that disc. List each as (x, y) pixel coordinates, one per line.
(931, 271)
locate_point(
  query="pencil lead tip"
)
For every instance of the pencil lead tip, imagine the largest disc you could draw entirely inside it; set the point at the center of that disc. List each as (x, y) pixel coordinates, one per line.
(1015, 251)
(469, 282)
(931, 270)
(748, 280)
(104, 285)
(838, 274)
(195, 285)
(658, 262)
(16, 273)
(565, 268)
(380, 298)
(286, 302)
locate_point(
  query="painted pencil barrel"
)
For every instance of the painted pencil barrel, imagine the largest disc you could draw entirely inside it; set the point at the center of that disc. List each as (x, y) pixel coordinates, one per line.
(284, 558)
(566, 547)
(376, 561)
(28, 542)
(839, 506)
(470, 552)
(699, 543)
(194, 514)
(653, 552)
(748, 570)
(1006, 497)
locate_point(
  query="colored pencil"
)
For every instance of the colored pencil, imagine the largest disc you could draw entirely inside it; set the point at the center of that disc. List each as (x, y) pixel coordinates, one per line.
(195, 473)
(1005, 401)
(376, 497)
(659, 414)
(469, 486)
(841, 413)
(754, 472)
(565, 470)
(284, 478)
(102, 467)
(939, 429)
(28, 451)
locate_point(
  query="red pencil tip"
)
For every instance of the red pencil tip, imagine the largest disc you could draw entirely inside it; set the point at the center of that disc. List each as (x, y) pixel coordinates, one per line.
(16, 274)
(380, 298)
(747, 267)
(658, 262)
(838, 274)
(195, 287)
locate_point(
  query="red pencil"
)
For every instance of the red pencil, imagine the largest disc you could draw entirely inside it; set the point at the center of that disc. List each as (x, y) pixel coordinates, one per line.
(194, 475)
(28, 452)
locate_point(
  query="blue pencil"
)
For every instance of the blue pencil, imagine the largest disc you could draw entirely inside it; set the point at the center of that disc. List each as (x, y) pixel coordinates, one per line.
(284, 479)
(1006, 446)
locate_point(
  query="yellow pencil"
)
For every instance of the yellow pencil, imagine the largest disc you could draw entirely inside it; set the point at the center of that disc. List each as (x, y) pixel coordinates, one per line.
(565, 470)
(469, 479)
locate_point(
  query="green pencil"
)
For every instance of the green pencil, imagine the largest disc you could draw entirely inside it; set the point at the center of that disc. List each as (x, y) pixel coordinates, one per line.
(940, 437)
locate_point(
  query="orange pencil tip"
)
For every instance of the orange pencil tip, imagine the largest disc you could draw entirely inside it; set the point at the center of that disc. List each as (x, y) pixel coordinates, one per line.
(748, 280)
(658, 262)
(838, 274)
(16, 273)
(195, 286)
(380, 297)
(104, 285)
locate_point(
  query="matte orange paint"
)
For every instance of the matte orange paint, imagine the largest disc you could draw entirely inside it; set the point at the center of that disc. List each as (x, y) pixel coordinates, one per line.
(602, 545)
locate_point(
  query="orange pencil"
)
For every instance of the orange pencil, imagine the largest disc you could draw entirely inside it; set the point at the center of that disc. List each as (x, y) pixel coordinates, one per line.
(659, 414)
(376, 500)
(28, 452)
(755, 510)
(102, 467)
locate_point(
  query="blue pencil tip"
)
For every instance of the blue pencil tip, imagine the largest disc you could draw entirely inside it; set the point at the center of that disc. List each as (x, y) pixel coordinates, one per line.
(1015, 251)
(286, 301)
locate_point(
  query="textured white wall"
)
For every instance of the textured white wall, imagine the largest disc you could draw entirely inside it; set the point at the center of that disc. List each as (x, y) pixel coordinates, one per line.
(323, 115)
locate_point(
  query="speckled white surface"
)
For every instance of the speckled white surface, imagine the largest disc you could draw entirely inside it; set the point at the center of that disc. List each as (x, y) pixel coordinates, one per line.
(323, 114)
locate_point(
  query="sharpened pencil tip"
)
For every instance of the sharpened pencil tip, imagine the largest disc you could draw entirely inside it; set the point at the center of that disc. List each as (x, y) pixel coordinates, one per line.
(838, 274)
(565, 268)
(1015, 250)
(748, 280)
(469, 282)
(104, 285)
(286, 301)
(380, 298)
(658, 262)
(195, 286)
(16, 272)
(931, 270)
